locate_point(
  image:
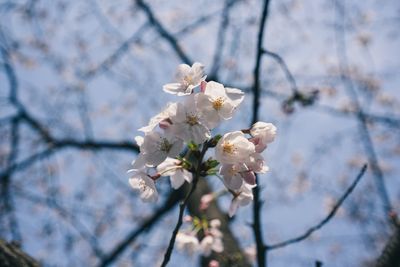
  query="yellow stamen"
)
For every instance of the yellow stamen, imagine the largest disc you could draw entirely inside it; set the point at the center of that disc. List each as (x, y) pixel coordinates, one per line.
(217, 103)
(188, 79)
(191, 120)
(228, 148)
(165, 146)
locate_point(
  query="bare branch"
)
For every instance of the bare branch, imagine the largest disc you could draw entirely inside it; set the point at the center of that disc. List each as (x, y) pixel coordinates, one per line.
(325, 220)
(221, 39)
(163, 32)
(284, 67)
(146, 225)
(257, 225)
(359, 113)
(182, 206)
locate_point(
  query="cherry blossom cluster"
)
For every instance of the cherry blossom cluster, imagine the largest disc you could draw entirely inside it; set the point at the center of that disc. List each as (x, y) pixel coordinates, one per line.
(173, 140)
(211, 240)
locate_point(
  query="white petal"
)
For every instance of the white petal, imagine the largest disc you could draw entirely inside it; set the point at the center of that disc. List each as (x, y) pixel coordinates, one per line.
(217, 245)
(206, 245)
(176, 148)
(233, 182)
(215, 90)
(168, 167)
(139, 140)
(139, 163)
(177, 180)
(235, 95)
(188, 176)
(233, 207)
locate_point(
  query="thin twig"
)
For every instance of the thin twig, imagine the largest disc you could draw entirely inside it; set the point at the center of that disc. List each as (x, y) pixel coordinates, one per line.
(365, 134)
(285, 68)
(221, 39)
(182, 207)
(325, 220)
(163, 32)
(121, 246)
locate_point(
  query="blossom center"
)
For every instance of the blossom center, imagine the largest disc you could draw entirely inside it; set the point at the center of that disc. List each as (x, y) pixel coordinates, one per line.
(192, 120)
(217, 103)
(165, 146)
(188, 79)
(228, 148)
(142, 186)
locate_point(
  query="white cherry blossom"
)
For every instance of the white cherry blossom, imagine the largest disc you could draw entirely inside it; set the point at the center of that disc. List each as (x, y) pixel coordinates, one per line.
(187, 242)
(243, 197)
(210, 243)
(232, 178)
(155, 148)
(256, 163)
(213, 239)
(187, 79)
(144, 185)
(168, 112)
(188, 124)
(173, 168)
(214, 104)
(263, 133)
(235, 174)
(235, 95)
(234, 148)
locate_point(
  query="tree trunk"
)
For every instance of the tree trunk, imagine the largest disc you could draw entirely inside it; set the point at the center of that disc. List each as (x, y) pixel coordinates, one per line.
(232, 256)
(12, 256)
(390, 256)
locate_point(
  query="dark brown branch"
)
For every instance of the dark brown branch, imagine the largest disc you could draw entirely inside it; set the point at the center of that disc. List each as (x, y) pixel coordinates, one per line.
(325, 220)
(173, 42)
(171, 201)
(58, 145)
(257, 203)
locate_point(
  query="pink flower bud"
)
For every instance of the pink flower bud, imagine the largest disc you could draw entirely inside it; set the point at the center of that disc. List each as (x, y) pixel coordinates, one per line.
(187, 218)
(213, 263)
(259, 145)
(164, 124)
(205, 201)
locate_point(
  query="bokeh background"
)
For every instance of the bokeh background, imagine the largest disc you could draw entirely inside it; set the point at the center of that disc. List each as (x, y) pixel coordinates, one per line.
(78, 78)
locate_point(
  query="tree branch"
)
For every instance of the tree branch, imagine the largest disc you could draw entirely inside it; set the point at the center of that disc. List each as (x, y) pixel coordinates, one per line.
(284, 67)
(182, 206)
(257, 225)
(173, 42)
(325, 220)
(359, 113)
(146, 225)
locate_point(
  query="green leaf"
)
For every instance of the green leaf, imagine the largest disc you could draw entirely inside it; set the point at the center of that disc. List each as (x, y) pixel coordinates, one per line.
(214, 141)
(193, 147)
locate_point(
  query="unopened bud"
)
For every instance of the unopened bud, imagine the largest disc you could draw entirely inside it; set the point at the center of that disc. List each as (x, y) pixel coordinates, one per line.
(187, 218)
(205, 201)
(213, 263)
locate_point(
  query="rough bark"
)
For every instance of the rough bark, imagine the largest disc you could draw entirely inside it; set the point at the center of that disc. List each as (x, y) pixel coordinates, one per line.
(232, 256)
(390, 256)
(12, 256)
